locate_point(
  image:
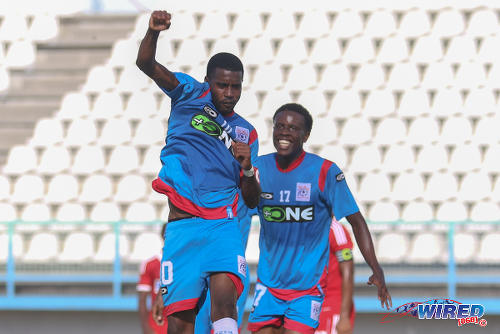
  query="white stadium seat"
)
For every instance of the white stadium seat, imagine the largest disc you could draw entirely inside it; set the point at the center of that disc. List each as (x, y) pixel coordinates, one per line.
(214, 25)
(54, 160)
(106, 248)
(456, 131)
(47, 132)
(381, 24)
(369, 76)
(447, 102)
(140, 105)
(62, 188)
(17, 246)
(5, 187)
(390, 131)
(417, 212)
(248, 25)
(96, 188)
(148, 132)
(475, 187)
(27, 189)
(20, 54)
(392, 247)
(485, 211)
(88, 160)
(403, 76)
(21, 159)
(384, 212)
(356, 131)
(335, 76)
(449, 23)
(489, 51)
(42, 247)
(441, 187)
(34, 213)
(301, 77)
(432, 158)
(252, 252)
(8, 212)
(491, 162)
(482, 22)
(335, 154)
(100, 78)
(465, 158)
(115, 132)
(423, 131)
(151, 164)
(481, 102)
(227, 44)
(365, 159)
(139, 212)
(359, 50)
(452, 212)
(407, 187)
(414, 23)
(489, 249)
(314, 24)
(393, 49)
(325, 50)
(77, 247)
(281, 24)
(130, 188)
(465, 247)
(106, 106)
(374, 187)
(427, 49)
(398, 158)
(426, 248)
(124, 52)
(132, 79)
(146, 245)
(81, 132)
(324, 132)
(414, 103)
(43, 27)
(191, 52)
(258, 51)
(13, 27)
(70, 213)
(123, 160)
(379, 104)
(267, 77)
(291, 51)
(104, 212)
(461, 49)
(347, 24)
(438, 75)
(74, 105)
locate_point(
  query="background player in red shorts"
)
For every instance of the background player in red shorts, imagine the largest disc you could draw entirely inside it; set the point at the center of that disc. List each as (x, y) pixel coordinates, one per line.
(337, 314)
(149, 284)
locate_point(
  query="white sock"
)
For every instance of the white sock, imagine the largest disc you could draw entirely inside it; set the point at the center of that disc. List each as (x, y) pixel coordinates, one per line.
(225, 326)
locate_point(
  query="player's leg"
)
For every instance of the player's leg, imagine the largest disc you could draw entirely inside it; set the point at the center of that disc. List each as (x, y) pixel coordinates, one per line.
(267, 312)
(181, 322)
(223, 306)
(302, 315)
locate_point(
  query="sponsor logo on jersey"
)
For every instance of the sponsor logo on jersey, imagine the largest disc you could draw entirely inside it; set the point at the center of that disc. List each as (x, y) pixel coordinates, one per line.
(288, 214)
(164, 290)
(340, 177)
(206, 125)
(242, 134)
(303, 192)
(266, 195)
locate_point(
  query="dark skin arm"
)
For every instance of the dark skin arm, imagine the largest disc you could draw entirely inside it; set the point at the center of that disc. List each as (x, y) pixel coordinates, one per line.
(159, 21)
(365, 243)
(250, 188)
(158, 310)
(144, 313)
(346, 269)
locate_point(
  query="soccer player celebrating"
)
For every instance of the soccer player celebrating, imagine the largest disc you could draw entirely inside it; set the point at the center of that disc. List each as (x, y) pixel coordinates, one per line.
(207, 147)
(301, 192)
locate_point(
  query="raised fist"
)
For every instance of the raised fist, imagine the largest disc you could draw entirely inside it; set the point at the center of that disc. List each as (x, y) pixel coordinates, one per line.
(160, 20)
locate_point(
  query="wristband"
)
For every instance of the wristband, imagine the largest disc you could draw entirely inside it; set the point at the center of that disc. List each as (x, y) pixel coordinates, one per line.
(249, 172)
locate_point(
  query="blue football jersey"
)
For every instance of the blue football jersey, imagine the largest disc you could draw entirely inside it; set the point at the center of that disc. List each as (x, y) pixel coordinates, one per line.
(295, 212)
(199, 173)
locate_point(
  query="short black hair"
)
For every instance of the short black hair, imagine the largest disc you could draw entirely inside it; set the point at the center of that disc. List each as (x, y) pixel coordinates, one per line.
(226, 61)
(298, 108)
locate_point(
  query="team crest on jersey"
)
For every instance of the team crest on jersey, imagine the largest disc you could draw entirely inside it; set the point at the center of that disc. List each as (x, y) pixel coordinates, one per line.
(303, 192)
(242, 134)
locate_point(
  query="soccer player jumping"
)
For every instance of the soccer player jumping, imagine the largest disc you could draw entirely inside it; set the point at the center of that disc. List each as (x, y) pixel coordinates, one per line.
(301, 192)
(201, 166)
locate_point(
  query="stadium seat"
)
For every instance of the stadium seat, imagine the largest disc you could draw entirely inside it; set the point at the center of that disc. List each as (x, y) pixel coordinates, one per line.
(42, 247)
(390, 131)
(264, 130)
(475, 187)
(447, 102)
(426, 248)
(151, 163)
(315, 102)
(5, 188)
(335, 77)
(291, 51)
(20, 54)
(272, 101)
(104, 212)
(345, 104)
(441, 187)
(191, 52)
(394, 49)
(456, 131)
(27, 189)
(17, 246)
(4, 75)
(182, 28)
(8, 213)
(164, 52)
(452, 211)
(69, 213)
(359, 50)
(227, 44)
(491, 161)
(130, 188)
(132, 80)
(106, 247)
(124, 52)
(259, 51)
(267, 77)
(21, 159)
(77, 247)
(148, 132)
(427, 49)
(414, 23)
(74, 105)
(100, 79)
(356, 131)
(325, 50)
(438, 75)
(335, 154)
(32, 214)
(13, 27)
(314, 24)
(482, 22)
(465, 158)
(43, 27)
(139, 212)
(214, 25)
(489, 51)
(81, 132)
(347, 24)
(423, 131)
(106, 106)
(374, 187)
(248, 105)
(248, 25)
(380, 24)
(489, 249)
(414, 103)
(417, 212)
(140, 105)
(47, 132)
(95, 188)
(365, 159)
(403, 76)
(470, 75)
(281, 24)
(379, 104)
(88, 160)
(301, 77)
(495, 193)
(115, 132)
(465, 247)
(461, 49)
(487, 211)
(123, 160)
(407, 187)
(432, 158)
(62, 188)
(392, 247)
(252, 252)
(383, 212)
(147, 244)
(493, 80)
(398, 158)
(164, 213)
(480, 103)
(324, 132)
(449, 22)
(369, 76)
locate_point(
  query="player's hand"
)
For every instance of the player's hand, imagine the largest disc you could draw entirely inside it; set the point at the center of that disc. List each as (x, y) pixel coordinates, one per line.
(241, 152)
(378, 280)
(160, 20)
(344, 326)
(158, 310)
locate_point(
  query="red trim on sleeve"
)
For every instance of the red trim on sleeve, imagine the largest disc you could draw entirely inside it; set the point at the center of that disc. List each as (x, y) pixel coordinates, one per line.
(237, 283)
(323, 173)
(205, 93)
(188, 206)
(298, 326)
(256, 326)
(293, 165)
(253, 137)
(183, 305)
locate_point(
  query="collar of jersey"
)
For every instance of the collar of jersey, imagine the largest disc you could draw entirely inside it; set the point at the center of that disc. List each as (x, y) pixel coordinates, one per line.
(293, 165)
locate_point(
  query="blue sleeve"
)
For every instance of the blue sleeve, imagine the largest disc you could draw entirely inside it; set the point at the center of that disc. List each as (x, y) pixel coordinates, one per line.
(254, 151)
(338, 194)
(188, 87)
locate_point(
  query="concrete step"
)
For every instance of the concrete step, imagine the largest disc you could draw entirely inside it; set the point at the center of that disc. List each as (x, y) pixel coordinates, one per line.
(42, 82)
(73, 58)
(25, 113)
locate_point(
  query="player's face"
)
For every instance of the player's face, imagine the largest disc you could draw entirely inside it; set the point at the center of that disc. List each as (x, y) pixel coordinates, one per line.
(289, 134)
(225, 86)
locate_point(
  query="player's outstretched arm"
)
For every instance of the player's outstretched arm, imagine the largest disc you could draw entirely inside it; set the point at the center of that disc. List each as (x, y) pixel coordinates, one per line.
(158, 310)
(365, 243)
(346, 269)
(159, 21)
(250, 187)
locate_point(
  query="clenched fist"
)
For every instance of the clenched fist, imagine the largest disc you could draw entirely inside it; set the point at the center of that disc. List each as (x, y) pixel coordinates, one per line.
(160, 20)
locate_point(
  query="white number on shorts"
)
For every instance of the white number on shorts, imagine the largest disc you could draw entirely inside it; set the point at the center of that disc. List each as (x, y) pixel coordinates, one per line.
(167, 272)
(260, 290)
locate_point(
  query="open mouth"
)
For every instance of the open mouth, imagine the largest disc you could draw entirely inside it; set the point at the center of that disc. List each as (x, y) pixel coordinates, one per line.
(284, 144)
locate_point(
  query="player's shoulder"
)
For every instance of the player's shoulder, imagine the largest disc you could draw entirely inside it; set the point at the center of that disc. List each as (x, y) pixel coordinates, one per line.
(321, 162)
